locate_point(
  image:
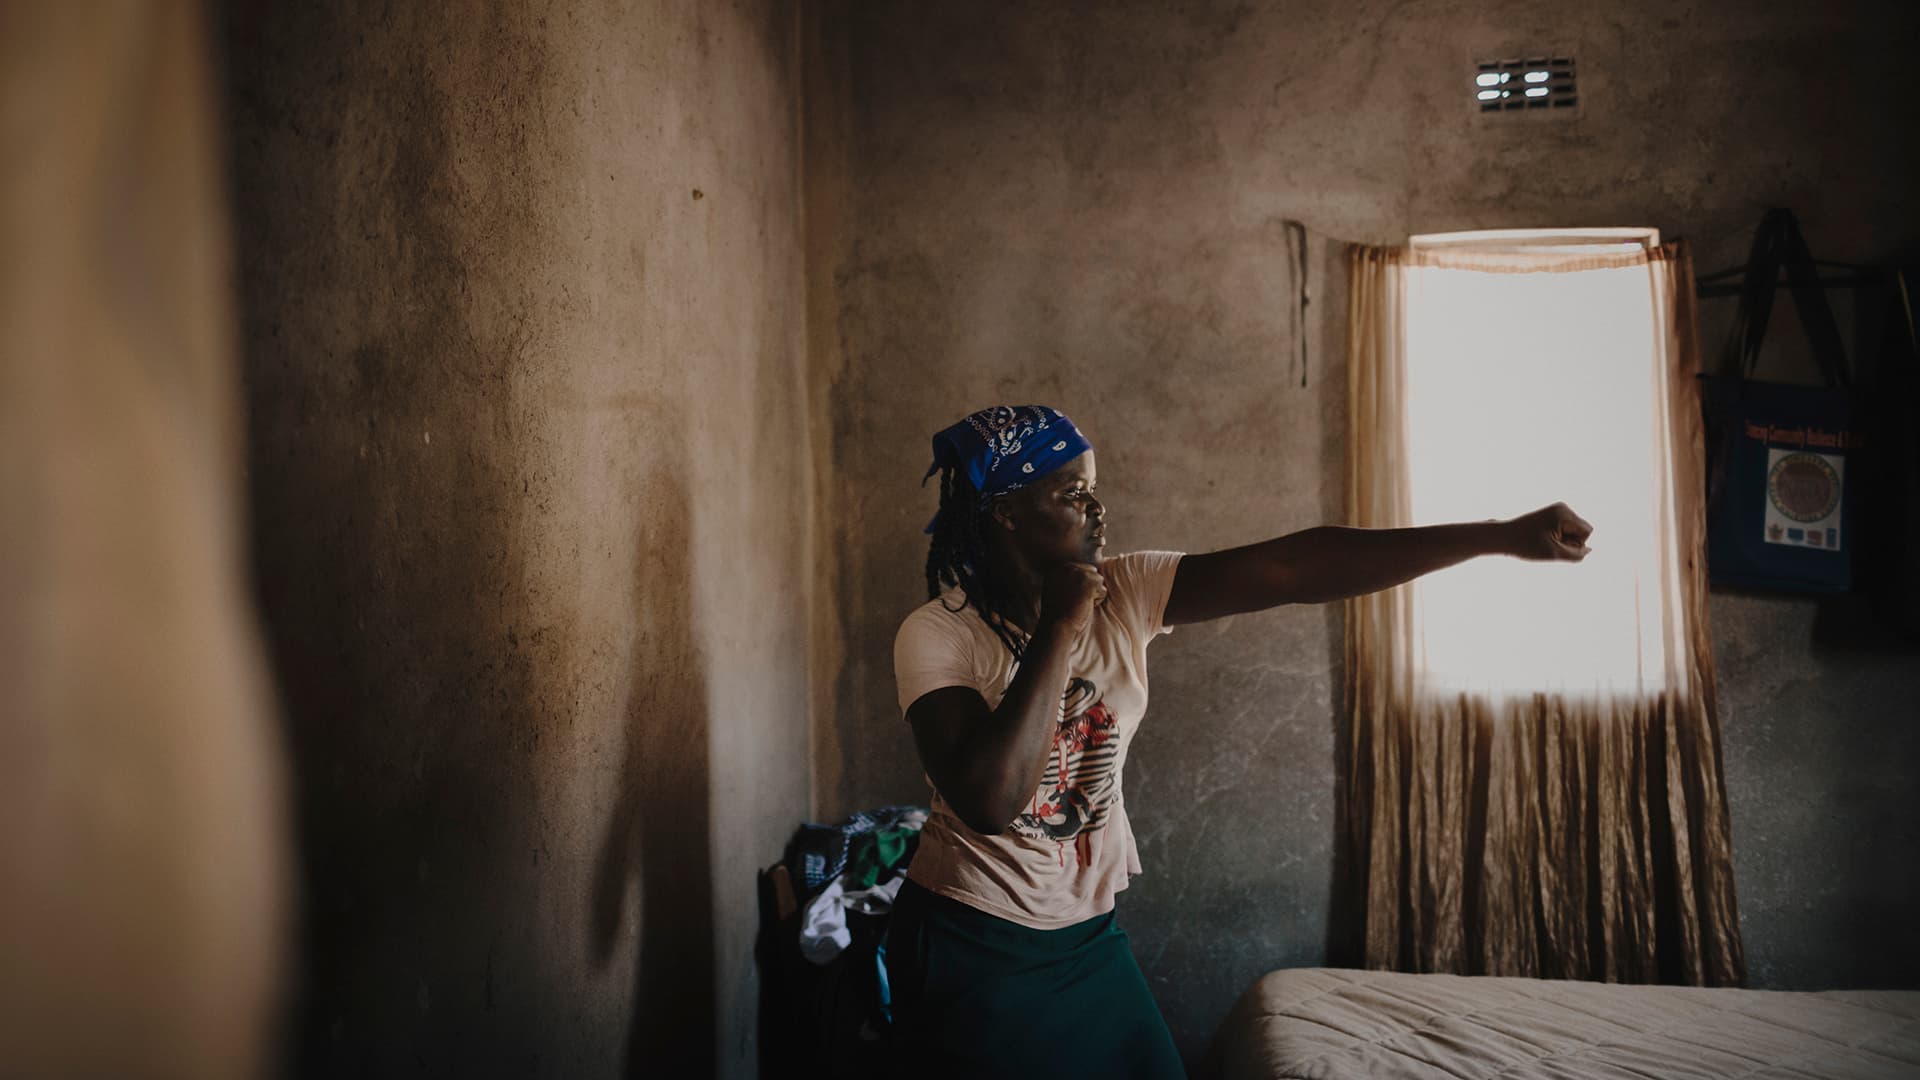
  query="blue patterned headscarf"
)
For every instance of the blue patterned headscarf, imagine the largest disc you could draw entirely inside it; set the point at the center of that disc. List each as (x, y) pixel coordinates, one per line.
(1005, 448)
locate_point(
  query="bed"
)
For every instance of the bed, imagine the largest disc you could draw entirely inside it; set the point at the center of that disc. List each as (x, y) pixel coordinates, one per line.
(1324, 1023)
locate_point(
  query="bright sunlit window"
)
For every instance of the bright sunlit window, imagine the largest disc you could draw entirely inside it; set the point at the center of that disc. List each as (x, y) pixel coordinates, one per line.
(1523, 389)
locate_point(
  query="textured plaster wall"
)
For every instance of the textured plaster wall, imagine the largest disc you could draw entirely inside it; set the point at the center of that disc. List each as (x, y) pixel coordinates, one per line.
(1082, 205)
(524, 329)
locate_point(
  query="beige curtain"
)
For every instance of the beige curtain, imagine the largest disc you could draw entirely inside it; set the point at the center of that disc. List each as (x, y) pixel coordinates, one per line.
(1547, 835)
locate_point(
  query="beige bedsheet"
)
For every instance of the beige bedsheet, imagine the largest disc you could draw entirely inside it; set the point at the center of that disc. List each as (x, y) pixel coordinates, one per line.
(1322, 1022)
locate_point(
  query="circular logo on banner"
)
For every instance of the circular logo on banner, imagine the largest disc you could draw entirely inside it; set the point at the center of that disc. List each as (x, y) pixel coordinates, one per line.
(1803, 487)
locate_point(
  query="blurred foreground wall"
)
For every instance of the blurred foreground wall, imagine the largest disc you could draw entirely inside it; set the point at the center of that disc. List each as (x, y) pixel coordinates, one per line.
(140, 828)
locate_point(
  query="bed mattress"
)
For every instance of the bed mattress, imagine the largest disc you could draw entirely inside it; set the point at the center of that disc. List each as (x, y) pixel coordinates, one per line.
(1323, 1022)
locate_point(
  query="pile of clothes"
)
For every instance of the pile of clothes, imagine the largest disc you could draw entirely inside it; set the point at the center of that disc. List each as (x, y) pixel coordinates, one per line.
(856, 866)
(824, 965)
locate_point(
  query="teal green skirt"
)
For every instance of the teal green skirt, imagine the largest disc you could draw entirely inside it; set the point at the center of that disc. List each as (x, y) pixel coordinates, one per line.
(977, 996)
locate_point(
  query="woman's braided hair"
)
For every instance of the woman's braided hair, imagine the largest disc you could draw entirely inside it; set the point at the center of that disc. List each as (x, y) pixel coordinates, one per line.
(958, 558)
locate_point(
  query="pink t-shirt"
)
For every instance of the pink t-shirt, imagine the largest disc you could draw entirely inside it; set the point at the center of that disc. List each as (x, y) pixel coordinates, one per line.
(1067, 854)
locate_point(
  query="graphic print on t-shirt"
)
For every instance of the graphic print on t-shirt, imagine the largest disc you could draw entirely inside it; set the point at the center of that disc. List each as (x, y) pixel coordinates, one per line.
(1077, 789)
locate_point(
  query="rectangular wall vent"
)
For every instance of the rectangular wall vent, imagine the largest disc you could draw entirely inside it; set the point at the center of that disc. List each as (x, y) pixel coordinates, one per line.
(1525, 84)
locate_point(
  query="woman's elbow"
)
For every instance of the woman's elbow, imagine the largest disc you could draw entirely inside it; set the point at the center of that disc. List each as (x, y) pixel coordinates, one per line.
(984, 821)
(983, 814)
(984, 797)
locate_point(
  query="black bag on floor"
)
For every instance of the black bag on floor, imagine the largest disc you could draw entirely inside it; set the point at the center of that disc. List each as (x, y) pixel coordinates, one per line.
(1782, 483)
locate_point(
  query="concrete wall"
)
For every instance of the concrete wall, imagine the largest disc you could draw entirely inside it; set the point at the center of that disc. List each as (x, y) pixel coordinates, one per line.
(531, 466)
(1081, 205)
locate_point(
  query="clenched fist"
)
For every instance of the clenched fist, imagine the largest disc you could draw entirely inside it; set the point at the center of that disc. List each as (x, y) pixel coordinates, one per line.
(1071, 592)
(1551, 532)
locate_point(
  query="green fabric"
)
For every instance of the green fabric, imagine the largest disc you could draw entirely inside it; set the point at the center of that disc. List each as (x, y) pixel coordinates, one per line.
(875, 854)
(977, 996)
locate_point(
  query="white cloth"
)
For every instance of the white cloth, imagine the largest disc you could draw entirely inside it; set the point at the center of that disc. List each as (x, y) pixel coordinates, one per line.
(823, 928)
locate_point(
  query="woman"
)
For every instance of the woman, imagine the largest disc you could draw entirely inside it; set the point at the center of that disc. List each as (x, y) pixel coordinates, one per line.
(1024, 678)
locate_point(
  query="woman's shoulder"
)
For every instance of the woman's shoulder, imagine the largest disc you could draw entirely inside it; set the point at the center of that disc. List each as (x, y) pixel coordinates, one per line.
(940, 644)
(1140, 582)
(1147, 557)
(1140, 566)
(944, 617)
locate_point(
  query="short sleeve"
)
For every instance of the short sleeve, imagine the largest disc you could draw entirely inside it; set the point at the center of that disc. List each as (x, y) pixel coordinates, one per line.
(931, 651)
(1143, 580)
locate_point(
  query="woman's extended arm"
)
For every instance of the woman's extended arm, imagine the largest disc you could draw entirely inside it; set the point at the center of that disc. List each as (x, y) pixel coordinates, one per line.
(986, 762)
(1335, 562)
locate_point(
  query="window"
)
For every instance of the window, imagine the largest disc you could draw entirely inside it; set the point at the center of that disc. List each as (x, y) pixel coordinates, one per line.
(1527, 386)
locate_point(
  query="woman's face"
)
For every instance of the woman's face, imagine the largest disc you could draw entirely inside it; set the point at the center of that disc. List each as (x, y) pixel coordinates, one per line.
(1057, 518)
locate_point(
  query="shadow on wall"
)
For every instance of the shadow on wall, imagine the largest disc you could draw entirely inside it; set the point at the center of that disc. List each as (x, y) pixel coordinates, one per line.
(656, 849)
(387, 577)
(409, 678)
(393, 481)
(476, 875)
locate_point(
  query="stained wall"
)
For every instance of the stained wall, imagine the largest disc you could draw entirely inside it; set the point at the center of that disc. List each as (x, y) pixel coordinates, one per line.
(530, 463)
(1083, 205)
